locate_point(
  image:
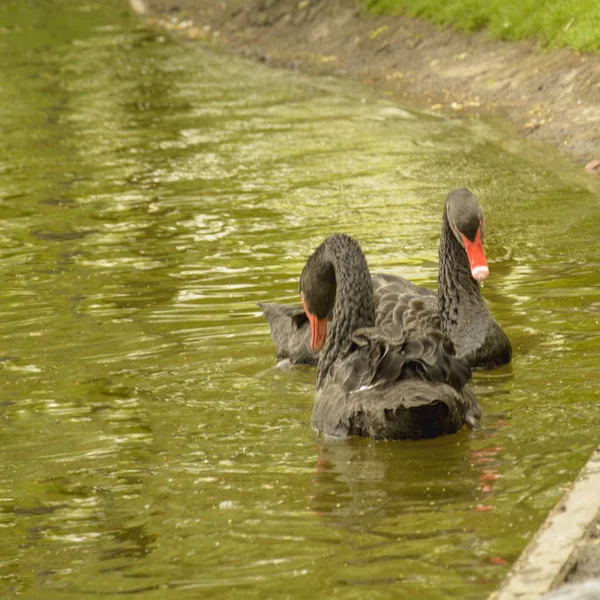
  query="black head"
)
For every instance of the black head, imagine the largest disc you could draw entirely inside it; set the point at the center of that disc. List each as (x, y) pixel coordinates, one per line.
(318, 286)
(464, 214)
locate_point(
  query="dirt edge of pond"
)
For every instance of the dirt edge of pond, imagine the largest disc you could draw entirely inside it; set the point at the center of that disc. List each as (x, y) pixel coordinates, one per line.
(550, 97)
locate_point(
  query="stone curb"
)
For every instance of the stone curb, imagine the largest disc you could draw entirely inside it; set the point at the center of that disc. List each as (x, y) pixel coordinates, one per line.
(552, 554)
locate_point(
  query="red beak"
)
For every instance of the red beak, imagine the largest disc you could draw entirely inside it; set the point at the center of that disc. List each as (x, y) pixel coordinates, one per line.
(318, 328)
(476, 255)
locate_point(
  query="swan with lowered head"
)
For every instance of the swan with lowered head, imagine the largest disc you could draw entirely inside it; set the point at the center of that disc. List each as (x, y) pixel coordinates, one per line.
(397, 380)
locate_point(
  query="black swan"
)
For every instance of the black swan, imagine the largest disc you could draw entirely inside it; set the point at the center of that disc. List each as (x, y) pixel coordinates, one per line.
(462, 312)
(397, 380)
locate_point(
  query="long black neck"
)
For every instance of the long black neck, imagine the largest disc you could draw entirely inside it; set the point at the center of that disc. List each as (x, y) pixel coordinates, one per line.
(459, 297)
(354, 304)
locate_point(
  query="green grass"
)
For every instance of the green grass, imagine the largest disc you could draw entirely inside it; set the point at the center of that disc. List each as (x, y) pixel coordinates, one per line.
(569, 23)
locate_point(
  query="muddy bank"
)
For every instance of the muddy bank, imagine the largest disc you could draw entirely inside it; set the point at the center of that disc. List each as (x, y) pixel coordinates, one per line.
(552, 97)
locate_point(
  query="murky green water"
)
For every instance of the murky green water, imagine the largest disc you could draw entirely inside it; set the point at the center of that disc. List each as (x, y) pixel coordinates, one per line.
(150, 195)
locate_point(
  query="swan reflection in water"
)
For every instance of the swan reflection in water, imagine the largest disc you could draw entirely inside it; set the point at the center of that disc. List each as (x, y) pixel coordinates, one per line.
(411, 505)
(358, 478)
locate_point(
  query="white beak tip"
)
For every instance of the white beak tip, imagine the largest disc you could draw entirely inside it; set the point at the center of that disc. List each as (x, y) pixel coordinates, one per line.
(480, 273)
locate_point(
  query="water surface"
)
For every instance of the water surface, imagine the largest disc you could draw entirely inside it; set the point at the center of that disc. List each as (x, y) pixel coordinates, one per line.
(150, 195)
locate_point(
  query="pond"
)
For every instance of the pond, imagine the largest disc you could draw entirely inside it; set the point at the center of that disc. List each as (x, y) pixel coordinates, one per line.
(151, 193)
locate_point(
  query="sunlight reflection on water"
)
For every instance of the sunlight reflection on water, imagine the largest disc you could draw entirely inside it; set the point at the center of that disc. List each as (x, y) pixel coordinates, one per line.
(151, 195)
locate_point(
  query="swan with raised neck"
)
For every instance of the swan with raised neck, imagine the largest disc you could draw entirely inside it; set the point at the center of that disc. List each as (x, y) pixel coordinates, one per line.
(464, 315)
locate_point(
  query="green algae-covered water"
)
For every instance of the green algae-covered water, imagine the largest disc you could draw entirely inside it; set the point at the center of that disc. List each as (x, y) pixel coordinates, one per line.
(150, 195)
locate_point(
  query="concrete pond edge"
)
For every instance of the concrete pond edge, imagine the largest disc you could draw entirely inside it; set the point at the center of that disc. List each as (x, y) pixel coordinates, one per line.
(552, 554)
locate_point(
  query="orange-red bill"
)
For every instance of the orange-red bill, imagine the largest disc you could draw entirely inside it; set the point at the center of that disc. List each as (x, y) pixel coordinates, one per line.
(318, 328)
(476, 255)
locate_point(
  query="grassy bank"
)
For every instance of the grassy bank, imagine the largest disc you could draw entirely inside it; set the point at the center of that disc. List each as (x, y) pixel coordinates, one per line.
(570, 23)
